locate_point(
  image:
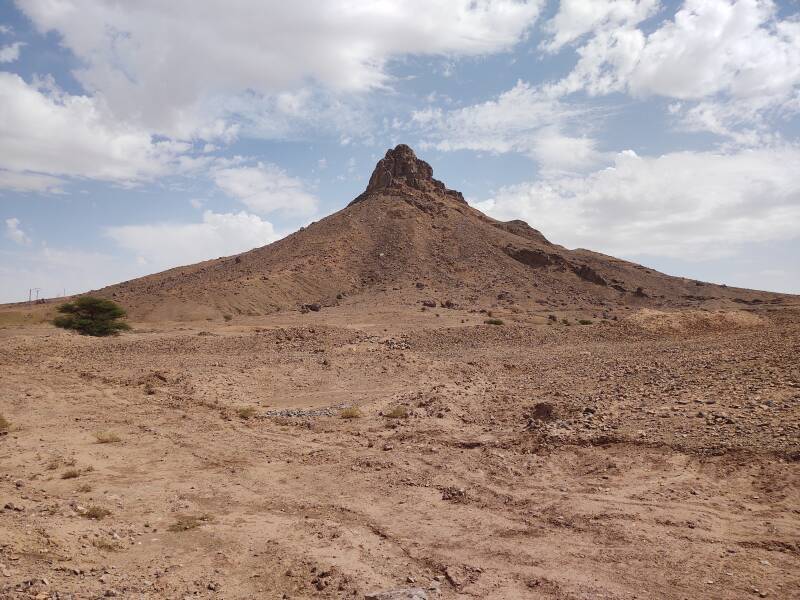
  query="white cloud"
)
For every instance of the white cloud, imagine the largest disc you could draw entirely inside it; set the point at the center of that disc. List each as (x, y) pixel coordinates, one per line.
(556, 152)
(735, 55)
(165, 63)
(29, 182)
(266, 188)
(164, 245)
(521, 119)
(47, 131)
(14, 233)
(292, 114)
(10, 52)
(690, 205)
(576, 18)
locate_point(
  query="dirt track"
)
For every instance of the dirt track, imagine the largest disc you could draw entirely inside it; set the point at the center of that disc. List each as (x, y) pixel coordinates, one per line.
(667, 469)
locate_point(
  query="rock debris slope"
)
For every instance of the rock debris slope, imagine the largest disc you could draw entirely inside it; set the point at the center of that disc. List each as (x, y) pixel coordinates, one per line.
(405, 240)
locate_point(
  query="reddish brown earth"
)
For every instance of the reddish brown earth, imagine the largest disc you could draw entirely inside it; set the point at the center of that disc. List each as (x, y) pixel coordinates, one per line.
(653, 453)
(407, 233)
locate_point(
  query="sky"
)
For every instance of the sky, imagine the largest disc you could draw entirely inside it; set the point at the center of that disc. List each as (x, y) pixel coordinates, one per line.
(139, 136)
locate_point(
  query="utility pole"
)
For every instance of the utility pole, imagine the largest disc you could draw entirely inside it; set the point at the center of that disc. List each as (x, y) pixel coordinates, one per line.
(30, 294)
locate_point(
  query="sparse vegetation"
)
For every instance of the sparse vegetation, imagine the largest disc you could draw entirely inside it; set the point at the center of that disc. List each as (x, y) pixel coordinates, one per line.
(107, 545)
(566, 322)
(70, 474)
(227, 317)
(246, 412)
(584, 322)
(84, 488)
(494, 321)
(107, 437)
(95, 512)
(187, 522)
(351, 412)
(5, 424)
(398, 412)
(92, 316)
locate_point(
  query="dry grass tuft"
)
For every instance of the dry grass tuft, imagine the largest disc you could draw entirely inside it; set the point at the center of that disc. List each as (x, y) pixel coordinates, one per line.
(246, 412)
(95, 512)
(70, 474)
(107, 437)
(107, 545)
(494, 321)
(351, 412)
(5, 424)
(188, 522)
(398, 412)
(84, 488)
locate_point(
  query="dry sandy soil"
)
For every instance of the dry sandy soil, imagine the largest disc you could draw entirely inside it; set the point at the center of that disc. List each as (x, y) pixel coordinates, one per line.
(655, 456)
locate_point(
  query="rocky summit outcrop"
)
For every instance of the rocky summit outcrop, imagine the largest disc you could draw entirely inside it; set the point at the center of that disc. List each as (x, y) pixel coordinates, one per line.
(408, 239)
(401, 171)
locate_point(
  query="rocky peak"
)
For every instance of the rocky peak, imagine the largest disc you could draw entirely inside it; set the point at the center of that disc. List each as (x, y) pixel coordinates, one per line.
(401, 169)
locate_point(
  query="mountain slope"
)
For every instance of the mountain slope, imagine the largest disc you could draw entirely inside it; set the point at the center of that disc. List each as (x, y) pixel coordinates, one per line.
(406, 239)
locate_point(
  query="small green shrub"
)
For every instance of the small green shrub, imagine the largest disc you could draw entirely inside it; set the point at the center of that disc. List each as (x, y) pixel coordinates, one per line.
(494, 321)
(584, 322)
(91, 316)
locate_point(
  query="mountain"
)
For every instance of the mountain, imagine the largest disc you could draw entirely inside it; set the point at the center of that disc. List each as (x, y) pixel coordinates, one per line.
(408, 239)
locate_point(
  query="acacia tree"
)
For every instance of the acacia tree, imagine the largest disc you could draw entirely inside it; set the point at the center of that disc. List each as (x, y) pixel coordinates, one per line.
(89, 315)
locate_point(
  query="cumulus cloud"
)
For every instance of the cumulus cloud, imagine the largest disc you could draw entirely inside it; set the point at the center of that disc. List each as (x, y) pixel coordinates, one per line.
(15, 233)
(266, 188)
(165, 245)
(10, 52)
(576, 18)
(162, 62)
(689, 205)
(738, 56)
(46, 131)
(522, 119)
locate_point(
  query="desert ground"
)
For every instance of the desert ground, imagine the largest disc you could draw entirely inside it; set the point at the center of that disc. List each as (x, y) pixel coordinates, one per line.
(652, 454)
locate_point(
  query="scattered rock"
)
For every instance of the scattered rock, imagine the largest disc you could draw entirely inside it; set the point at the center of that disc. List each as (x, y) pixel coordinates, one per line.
(454, 494)
(542, 411)
(398, 594)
